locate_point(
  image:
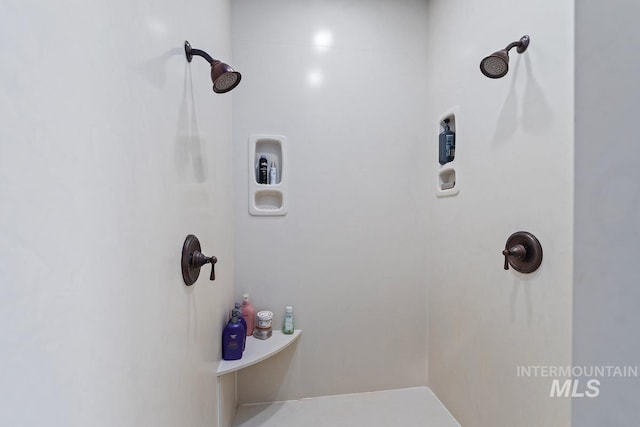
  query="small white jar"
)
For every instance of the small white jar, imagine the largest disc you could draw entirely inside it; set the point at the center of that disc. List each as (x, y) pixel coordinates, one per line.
(263, 325)
(265, 319)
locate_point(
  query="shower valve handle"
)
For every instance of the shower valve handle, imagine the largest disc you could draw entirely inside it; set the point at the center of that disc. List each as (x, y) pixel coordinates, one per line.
(517, 251)
(523, 252)
(198, 259)
(192, 259)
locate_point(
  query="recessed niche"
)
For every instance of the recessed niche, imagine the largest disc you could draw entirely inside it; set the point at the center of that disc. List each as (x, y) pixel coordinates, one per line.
(447, 179)
(268, 200)
(447, 146)
(267, 184)
(271, 149)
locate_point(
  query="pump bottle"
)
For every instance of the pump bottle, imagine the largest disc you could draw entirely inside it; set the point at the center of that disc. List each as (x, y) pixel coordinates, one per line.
(232, 338)
(248, 313)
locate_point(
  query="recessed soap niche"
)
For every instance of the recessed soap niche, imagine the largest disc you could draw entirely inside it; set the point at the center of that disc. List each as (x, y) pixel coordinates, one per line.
(270, 198)
(272, 150)
(447, 180)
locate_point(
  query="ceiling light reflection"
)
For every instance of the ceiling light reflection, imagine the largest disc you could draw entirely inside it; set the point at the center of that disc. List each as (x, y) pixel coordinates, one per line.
(323, 39)
(315, 78)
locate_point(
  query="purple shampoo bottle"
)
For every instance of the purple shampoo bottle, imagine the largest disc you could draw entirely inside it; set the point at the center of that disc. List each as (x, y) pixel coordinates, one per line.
(232, 339)
(238, 310)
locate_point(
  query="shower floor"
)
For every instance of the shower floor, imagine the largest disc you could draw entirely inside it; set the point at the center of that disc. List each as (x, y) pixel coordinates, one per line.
(410, 407)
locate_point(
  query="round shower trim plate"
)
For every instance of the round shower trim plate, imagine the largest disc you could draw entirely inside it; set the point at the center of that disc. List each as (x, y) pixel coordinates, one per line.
(189, 272)
(187, 50)
(524, 44)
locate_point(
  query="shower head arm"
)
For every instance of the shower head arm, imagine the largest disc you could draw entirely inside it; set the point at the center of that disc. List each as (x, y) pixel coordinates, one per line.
(512, 45)
(521, 44)
(191, 52)
(224, 77)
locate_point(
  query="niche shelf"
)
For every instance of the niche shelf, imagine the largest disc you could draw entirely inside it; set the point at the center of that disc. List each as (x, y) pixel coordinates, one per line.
(268, 199)
(255, 352)
(258, 350)
(447, 179)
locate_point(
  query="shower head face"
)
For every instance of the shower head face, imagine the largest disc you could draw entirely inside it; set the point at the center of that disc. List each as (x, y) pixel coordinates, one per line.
(495, 65)
(224, 77)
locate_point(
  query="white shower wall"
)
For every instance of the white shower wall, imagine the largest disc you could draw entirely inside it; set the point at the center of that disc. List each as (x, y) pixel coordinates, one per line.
(607, 214)
(112, 150)
(345, 82)
(514, 157)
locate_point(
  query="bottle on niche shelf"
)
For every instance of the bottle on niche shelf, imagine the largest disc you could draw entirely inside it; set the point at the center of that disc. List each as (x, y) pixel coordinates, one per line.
(263, 166)
(273, 174)
(287, 327)
(248, 313)
(232, 339)
(447, 144)
(237, 311)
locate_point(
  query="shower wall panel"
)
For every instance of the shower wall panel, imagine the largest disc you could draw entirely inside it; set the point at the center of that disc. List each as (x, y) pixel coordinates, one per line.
(345, 82)
(112, 149)
(515, 160)
(607, 212)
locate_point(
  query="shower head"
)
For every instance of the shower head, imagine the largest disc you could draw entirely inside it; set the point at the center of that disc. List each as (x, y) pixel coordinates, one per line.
(496, 65)
(224, 77)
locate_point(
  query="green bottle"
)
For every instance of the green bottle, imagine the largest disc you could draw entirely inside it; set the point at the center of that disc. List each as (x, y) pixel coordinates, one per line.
(287, 328)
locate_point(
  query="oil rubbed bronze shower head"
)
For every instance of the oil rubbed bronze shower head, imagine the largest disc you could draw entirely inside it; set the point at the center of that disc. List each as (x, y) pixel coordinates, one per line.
(496, 65)
(224, 77)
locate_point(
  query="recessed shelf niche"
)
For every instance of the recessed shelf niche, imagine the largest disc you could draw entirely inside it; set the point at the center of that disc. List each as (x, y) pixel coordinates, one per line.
(268, 199)
(447, 179)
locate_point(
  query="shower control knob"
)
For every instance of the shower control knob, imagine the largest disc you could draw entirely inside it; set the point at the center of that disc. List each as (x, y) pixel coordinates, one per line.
(198, 259)
(518, 252)
(193, 259)
(523, 252)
